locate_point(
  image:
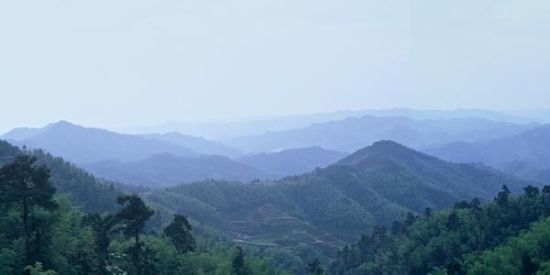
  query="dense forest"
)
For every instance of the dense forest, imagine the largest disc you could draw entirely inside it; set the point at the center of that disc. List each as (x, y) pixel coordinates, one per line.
(41, 233)
(57, 219)
(315, 214)
(507, 236)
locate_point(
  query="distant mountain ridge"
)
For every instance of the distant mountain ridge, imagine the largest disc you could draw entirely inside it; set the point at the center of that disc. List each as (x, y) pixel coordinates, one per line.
(351, 134)
(167, 170)
(258, 126)
(526, 154)
(293, 161)
(85, 145)
(158, 160)
(198, 144)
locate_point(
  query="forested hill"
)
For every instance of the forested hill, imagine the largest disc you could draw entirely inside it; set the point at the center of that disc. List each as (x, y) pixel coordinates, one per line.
(399, 172)
(374, 186)
(507, 236)
(84, 190)
(40, 233)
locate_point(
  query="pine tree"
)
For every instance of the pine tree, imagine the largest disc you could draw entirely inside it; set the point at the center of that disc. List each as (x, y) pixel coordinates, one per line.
(27, 186)
(453, 221)
(314, 268)
(238, 267)
(502, 197)
(103, 227)
(133, 217)
(179, 232)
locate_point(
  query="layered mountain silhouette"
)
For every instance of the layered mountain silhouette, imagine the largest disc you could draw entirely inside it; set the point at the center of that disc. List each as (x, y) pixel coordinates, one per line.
(167, 170)
(197, 144)
(157, 160)
(354, 133)
(526, 154)
(85, 145)
(293, 161)
(373, 186)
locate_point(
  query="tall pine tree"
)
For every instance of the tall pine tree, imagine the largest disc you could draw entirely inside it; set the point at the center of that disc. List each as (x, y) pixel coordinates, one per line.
(27, 187)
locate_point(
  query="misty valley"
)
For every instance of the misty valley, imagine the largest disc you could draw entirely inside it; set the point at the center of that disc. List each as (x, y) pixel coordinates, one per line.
(370, 192)
(274, 137)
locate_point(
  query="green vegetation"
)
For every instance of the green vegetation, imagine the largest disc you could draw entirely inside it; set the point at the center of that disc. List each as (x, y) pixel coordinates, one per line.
(301, 224)
(41, 233)
(468, 239)
(86, 192)
(313, 215)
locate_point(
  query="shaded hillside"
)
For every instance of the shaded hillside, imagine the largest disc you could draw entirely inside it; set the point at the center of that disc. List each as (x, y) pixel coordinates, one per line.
(84, 145)
(197, 144)
(85, 191)
(352, 134)
(168, 170)
(526, 154)
(373, 186)
(293, 161)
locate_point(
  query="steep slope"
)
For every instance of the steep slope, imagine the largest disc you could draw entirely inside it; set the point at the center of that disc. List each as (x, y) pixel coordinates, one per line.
(84, 145)
(351, 134)
(85, 191)
(293, 161)
(168, 170)
(197, 144)
(526, 154)
(373, 186)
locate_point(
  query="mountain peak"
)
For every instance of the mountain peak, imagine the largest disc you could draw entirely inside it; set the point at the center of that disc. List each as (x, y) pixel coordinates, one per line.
(20, 134)
(62, 124)
(388, 145)
(384, 149)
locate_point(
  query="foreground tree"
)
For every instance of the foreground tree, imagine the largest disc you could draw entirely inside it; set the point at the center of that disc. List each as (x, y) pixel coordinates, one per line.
(179, 232)
(133, 217)
(314, 268)
(103, 227)
(238, 267)
(27, 187)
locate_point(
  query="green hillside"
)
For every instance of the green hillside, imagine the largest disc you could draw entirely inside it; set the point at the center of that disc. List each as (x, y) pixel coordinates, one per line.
(324, 209)
(507, 236)
(85, 191)
(40, 233)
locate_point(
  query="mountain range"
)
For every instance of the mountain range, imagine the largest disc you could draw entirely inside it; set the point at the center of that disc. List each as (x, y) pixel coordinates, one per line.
(156, 160)
(167, 170)
(526, 154)
(293, 161)
(257, 126)
(351, 134)
(325, 207)
(197, 144)
(83, 145)
(321, 210)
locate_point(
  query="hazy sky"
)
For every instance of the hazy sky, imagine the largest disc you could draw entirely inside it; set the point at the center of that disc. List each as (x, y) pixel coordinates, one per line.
(108, 63)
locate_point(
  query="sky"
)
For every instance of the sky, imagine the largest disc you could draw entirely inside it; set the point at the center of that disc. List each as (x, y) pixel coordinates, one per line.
(130, 62)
